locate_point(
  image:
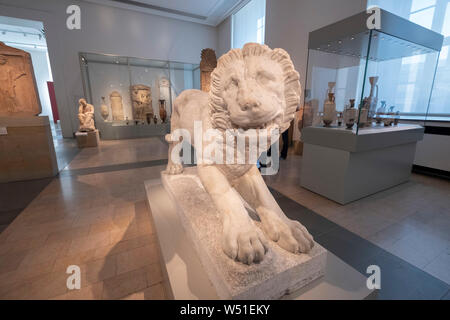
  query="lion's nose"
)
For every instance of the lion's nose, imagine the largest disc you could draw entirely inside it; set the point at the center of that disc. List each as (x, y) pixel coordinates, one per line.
(249, 104)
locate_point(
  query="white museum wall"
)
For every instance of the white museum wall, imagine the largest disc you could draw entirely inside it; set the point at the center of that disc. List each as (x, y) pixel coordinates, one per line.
(433, 152)
(289, 22)
(106, 30)
(223, 37)
(196, 82)
(42, 74)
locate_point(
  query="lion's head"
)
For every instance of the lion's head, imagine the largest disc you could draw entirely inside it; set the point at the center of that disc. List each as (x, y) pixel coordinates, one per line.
(254, 87)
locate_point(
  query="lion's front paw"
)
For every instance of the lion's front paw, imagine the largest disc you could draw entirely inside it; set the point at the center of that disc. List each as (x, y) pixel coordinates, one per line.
(174, 168)
(289, 234)
(244, 243)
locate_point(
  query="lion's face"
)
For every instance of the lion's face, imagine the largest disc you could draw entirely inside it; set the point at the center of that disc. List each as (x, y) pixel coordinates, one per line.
(254, 87)
(253, 91)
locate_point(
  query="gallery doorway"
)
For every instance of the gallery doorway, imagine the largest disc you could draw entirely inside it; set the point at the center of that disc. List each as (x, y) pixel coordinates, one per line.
(29, 36)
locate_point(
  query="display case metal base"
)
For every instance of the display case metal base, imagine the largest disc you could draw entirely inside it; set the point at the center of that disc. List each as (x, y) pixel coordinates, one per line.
(345, 167)
(186, 276)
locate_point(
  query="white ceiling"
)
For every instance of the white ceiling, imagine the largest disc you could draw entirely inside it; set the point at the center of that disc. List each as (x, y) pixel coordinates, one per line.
(210, 12)
(21, 33)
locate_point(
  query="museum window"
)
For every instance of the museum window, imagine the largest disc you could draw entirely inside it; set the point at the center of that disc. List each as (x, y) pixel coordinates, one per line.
(248, 24)
(434, 15)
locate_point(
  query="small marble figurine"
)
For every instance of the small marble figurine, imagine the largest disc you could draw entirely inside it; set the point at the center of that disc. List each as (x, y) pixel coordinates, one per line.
(86, 116)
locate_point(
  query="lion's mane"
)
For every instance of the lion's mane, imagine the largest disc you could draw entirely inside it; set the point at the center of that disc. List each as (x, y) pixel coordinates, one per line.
(219, 113)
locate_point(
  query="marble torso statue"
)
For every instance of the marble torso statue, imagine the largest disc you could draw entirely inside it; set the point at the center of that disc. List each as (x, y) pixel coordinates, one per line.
(18, 91)
(253, 89)
(86, 116)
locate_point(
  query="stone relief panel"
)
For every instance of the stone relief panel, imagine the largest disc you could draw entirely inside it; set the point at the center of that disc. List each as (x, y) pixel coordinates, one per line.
(141, 98)
(18, 91)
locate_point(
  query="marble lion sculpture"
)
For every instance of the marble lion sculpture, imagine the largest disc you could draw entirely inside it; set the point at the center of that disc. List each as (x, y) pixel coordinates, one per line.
(251, 88)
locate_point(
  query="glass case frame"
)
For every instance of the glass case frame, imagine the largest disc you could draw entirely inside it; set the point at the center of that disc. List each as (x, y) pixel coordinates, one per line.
(103, 74)
(349, 46)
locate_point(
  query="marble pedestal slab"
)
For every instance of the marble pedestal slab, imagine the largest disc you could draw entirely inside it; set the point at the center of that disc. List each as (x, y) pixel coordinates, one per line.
(280, 272)
(87, 139)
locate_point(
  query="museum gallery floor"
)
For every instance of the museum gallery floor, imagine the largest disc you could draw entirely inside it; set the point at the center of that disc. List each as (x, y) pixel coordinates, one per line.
(94, 214)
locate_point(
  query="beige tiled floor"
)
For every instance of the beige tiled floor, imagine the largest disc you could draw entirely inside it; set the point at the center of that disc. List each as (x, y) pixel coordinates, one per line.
(113, 152)
(100, 222)
(411, 221)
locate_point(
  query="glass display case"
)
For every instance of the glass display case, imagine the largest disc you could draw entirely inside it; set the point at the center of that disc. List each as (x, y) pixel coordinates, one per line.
(133, 97)
(360, 78)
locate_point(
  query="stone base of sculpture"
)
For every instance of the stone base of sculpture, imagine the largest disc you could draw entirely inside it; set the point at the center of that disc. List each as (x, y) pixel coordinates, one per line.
(26, 149)
(280, 273)
(87, 139)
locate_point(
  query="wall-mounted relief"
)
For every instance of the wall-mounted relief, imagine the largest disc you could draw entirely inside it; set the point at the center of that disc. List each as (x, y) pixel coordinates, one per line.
(18, 92)
(141, 98)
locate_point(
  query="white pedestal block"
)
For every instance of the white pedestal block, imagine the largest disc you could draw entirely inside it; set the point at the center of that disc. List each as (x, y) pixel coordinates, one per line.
(279, 273)
(189, 273)
(26, 149)
(345, 167)
(87, 139)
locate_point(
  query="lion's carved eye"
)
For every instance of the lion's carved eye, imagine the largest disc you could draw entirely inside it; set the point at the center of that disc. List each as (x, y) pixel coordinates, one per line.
(264, 77)
(232, 83)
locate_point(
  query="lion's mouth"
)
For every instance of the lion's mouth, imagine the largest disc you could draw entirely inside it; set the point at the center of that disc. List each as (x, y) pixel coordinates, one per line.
(269, 126)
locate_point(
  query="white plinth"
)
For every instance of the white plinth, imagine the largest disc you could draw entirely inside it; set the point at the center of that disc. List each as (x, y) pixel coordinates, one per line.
(345, 167)
(87, 139)
(280, 273)
(186, 277)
